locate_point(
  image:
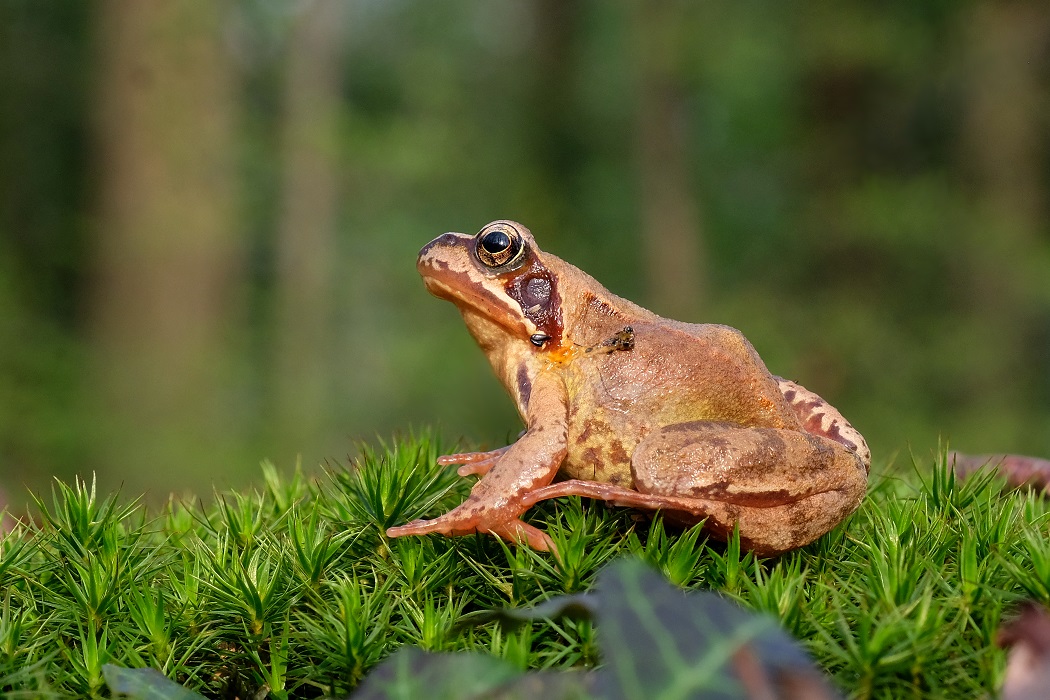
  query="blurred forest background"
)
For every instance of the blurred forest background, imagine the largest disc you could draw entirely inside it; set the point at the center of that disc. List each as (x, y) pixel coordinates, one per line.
(210, 211)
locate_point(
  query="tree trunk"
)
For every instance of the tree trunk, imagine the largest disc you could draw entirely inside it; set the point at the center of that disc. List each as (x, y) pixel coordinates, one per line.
(670, 214)
(1005, 126)
(554, 142)
(306, 236)
(166, 257)
(1005, 146)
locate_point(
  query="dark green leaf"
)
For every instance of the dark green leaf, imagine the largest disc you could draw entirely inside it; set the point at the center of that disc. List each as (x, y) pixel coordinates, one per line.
(581, 606)
(657, 642)
(410, 674)
(145, 684)
(662, 642)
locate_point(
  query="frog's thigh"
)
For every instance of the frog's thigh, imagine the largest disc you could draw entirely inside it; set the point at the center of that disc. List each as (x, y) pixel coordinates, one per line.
(783, 488)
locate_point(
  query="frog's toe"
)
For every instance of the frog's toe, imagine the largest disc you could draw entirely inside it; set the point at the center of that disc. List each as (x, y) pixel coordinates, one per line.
(421, 527)
(520, 532)
(478, 468)
(450, 524)
(516, 531)
(472, 457)
(458, 458)
(416, 527)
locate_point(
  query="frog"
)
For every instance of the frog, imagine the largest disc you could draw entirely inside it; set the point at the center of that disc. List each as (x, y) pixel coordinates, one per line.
(624, 406)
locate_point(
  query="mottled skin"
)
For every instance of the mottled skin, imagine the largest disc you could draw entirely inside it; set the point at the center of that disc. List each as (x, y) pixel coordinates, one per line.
(634, 409)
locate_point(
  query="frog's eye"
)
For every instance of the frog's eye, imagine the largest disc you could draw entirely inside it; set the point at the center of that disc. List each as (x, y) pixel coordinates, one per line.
(498, 247)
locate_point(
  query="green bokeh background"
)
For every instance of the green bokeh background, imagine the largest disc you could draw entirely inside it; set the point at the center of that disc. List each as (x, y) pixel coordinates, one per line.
(861, 188)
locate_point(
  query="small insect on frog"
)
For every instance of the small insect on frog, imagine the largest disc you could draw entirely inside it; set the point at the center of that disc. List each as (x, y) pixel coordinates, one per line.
(634, 409)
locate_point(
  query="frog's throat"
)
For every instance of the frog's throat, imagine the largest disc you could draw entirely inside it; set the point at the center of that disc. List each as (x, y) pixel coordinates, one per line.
(494, 331)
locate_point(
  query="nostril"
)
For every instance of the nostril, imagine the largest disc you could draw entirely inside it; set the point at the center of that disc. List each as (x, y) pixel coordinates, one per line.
(442, 241)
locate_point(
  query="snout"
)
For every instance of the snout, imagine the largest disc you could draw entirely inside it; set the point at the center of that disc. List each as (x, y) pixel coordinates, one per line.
(442, 261)
(445, 240)
(437, 254)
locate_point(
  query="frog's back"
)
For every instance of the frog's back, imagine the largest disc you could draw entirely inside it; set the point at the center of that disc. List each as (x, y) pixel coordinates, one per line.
(707, 372)
(675, 371)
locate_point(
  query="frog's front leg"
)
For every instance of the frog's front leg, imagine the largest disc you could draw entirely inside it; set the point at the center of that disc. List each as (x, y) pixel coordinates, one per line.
(496, 502)
(782, 488)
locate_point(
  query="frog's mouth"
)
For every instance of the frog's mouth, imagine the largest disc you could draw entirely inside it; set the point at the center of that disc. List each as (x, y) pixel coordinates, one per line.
(448, 276)
(479, 301)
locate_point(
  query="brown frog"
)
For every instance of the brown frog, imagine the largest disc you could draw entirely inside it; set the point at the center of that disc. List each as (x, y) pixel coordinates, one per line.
(633, 409)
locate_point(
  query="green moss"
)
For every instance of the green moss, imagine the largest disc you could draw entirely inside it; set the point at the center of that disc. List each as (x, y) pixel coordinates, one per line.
(294, 587)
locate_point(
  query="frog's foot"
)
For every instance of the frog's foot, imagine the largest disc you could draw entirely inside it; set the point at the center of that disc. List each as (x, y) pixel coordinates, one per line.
(516, 530)
(473, 462)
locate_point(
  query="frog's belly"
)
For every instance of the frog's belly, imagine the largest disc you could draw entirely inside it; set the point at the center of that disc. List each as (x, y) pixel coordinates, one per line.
(600, 446)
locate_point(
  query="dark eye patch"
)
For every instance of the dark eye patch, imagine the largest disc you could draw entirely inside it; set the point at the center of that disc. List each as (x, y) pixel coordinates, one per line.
(537, 291)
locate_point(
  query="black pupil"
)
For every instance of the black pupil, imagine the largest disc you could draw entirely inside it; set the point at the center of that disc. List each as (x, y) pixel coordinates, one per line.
(495, 242)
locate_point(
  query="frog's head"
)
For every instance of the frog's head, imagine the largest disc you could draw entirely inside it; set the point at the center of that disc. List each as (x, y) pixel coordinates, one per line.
(499, 281)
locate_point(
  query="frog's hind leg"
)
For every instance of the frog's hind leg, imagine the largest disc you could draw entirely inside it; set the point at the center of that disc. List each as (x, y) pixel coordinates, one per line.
(821, 418)
(782, 488)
